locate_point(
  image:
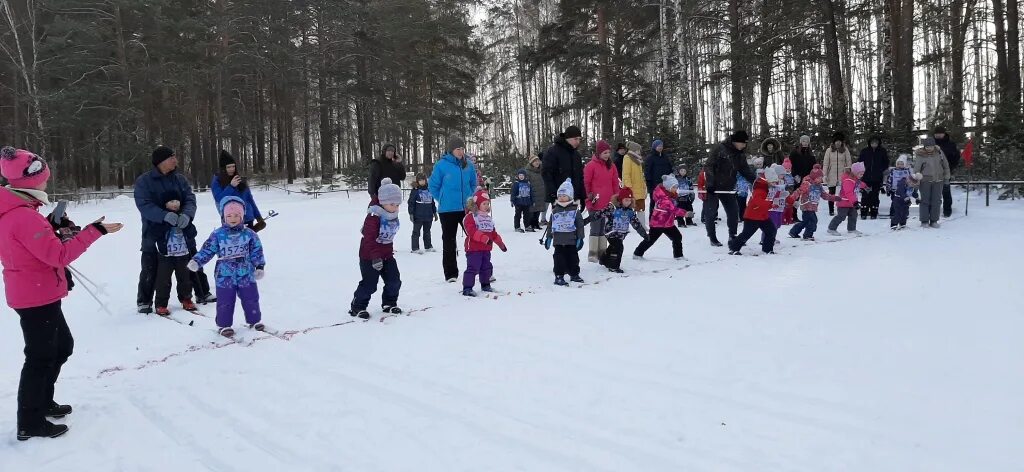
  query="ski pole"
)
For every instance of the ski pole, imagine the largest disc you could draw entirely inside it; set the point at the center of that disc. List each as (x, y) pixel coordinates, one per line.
(82, 277)
(94, 297)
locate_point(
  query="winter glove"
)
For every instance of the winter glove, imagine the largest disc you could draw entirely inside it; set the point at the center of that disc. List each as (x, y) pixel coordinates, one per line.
(579, 244)
(378, 264)
(260, 225)
(171, 218)
(193, 266)
(259, 274)
(183, 221)
(856, 205)
(435, 216)
(502, 247)
(547, 243)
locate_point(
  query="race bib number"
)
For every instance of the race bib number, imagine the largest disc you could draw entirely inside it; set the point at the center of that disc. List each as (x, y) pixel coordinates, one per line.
(425, 197)
(524, 191)
(176, 244)
(484, 222)
(620, 223)
(234, 248)
(388, 230)
(564, 222)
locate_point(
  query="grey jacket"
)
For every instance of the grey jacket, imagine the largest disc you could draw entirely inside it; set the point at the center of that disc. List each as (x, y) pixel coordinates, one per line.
(537, 188)
(933, 166)
(565, 238)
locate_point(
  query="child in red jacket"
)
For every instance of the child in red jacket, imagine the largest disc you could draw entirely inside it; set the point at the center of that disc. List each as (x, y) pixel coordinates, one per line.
(756, 216)
(481, 236)
(377, 253)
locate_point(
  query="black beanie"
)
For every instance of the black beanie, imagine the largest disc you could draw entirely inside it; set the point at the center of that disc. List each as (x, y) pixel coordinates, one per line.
(160, 154)
(739, 136)
(226, 159)
(940, 129)
(838, 136)
(620, 146)
(572, 132)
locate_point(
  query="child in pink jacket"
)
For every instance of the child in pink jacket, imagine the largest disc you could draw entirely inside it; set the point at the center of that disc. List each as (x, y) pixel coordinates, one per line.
(849, 185)
(663, 215)
(34, 261)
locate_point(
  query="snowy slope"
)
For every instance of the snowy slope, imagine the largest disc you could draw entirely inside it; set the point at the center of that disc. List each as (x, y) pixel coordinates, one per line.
(890, 352)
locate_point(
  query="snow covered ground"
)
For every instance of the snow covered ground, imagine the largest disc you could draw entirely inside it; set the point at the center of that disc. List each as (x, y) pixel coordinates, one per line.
(889, 352)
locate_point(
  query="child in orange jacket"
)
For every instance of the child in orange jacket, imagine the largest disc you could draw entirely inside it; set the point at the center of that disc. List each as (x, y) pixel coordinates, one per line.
(481, 236)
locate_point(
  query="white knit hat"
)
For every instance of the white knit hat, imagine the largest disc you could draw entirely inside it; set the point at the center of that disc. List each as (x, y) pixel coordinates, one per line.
(389, 193)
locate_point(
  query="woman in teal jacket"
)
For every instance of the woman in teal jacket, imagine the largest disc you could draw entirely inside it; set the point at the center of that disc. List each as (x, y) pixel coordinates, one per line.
(451, 183)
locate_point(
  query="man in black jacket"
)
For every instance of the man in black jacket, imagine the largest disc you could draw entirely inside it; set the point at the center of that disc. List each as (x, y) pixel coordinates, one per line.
(562, 161)
(876, 161)
(802, 158)
(952, 153)
(726, 161)
(620, 154)
(389, 165)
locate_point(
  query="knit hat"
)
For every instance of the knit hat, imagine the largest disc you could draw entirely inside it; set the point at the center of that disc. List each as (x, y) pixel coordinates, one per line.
(454, 143)
(770, 175)
(805, 139)
(633, 147)
(838, 136)
(681, 169)
(480, 197)
(929, 141)
(739, 136)
(521, 172)
(23, 169)
(902, 159)
(940, 129)
(669, 182)
(601, 147)
(533, 158)
(226, 159)
(787, 164)
(160, 154)
(572, 132)
(758, 161)
(389, 193)
(566, 189)
(620, 146)
(232, 205)
(624, 193)
(857, 168)
(816, 174)
(656, 143)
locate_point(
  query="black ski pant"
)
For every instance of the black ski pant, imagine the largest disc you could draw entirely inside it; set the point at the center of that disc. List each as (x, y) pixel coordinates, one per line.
(612, 257)
(522, 214)
(672, 232)
(148, 275)
(176, 266)
(871, 201)
(534, 220)
(567, 261)
(48, 345)
(451, 221)
(732, 212)
(417, 228)
(750, 227)
(947, 201)
(831, 204)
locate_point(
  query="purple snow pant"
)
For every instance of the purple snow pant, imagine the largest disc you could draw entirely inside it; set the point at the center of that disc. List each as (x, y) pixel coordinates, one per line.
(250, 297)
(477, 262)
(776, 218)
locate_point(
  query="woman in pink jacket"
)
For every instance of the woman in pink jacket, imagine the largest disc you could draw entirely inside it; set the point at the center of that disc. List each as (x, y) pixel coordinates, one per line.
(34, 262)
(601, 180)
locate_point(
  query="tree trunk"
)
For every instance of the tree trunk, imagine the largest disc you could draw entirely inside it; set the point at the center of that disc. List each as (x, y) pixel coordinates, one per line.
(1013, 81)
(839, 109)
(607, 123)
(736, 72)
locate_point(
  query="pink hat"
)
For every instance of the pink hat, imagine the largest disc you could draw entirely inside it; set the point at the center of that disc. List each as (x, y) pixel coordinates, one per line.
(788, 164)
(857, 167)
(22, 168)
(234, 208)
(601, 147)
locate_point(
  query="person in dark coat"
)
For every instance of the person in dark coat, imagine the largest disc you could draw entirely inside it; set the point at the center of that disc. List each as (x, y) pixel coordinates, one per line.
(802, 158)
(228, 183)
(164, 198)
(620, 154)
(563, 161)
(727, 160)
(952, 153)
(657, 165)
(876, 161)
(388, 165)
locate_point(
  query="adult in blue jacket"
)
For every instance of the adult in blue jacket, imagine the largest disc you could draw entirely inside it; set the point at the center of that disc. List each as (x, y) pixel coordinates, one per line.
(656, 165)
(228, 183)
(165, 200)
(451, 183)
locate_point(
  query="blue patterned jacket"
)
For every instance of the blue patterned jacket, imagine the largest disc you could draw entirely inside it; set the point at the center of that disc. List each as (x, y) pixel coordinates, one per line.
(238, 250)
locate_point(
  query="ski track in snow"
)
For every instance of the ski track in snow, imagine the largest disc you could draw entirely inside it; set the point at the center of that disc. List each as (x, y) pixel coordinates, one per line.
(715, 363)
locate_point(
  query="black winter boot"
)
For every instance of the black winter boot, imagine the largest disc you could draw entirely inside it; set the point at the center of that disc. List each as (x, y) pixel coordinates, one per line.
(45, 429)
(58, 411)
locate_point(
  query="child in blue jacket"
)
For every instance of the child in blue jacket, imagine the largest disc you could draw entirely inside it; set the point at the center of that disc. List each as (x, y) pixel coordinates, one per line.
(422, 213)
(240, 264)
(522, 198)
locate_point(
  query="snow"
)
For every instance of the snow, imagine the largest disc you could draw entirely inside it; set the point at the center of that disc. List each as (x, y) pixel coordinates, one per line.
(888, 352)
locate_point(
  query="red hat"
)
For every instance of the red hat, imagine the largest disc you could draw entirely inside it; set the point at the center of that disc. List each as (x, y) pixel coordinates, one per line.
(625, 193)
(787, 164)
(481, 196)
(601, 147)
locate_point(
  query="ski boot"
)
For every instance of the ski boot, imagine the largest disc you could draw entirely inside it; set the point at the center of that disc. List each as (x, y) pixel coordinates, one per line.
(391, 310)
(226, 331)
(187, 305)
(468, 292)
(576, 278)
(363, 314)
(145, 308)
(560, 280)
(163, 311)
(257, 326)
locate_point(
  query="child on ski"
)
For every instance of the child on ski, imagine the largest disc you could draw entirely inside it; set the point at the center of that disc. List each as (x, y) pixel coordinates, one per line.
(522, 199)
(240, 264)
(848, 204)
(789, 212)
(565, 233)
(684, 199)
(663, 212)
(899, 185)
(618, 217)
(756, 217)
(377, 253)
(423, 213)
(173, 262)
(808, 196)
(777, 196)
(481, 236)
